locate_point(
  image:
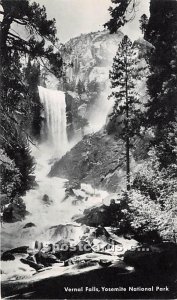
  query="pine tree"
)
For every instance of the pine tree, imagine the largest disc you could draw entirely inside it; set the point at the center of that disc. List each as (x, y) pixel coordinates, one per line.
(125, 118)
(162, 108)
(80, 88)
(143, 23)
(40, 41)
(122, 12)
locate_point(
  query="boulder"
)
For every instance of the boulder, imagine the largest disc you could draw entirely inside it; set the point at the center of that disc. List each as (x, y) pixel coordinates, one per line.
(101, 231)
(28, 225)
(102, 215)
(46, 200)
(48, 248)
(21, 249)
(18, 250)
(31, 257)
(66, 233)
(46, 259)
(81, 262)
(32, 264)
(105, 263)
(69, 192)
(7, 256)
(68, 262)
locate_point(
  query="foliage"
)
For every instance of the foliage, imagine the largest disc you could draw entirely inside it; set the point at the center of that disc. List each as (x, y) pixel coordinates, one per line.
(40, 34)
(162, 106)
(80, 88)
(15, 211)
(153, 197)
(143, 23)
(122, 12)
(93, 87)
(93, 91)
(25, 162)
(125, 120)
(125, 73)
(14, 116)
(32, 81)
(10, 175)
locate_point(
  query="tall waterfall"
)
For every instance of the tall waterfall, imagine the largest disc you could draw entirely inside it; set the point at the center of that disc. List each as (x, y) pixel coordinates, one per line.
(55, 114)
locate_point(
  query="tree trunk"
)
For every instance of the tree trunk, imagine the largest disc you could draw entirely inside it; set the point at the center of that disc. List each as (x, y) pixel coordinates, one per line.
(5, 27)
(128, 162)
(127, 133)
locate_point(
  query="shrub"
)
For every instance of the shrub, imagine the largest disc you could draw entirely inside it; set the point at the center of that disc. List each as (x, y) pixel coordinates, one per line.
(153, 198)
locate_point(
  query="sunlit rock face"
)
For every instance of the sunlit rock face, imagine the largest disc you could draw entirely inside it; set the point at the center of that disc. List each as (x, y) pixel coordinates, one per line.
(91, 56)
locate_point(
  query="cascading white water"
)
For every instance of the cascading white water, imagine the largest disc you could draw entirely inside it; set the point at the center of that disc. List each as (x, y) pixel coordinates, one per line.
(43, 216)
(55, 113)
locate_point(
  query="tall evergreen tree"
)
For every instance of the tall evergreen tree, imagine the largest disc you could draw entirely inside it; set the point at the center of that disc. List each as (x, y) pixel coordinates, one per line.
(143, 23)
(162, 82)
(125, 118)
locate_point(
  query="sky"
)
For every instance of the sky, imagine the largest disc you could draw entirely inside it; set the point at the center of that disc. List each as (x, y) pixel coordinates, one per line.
(74, 17)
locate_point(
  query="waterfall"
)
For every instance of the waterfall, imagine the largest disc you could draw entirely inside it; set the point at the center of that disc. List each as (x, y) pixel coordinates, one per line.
(55, 115)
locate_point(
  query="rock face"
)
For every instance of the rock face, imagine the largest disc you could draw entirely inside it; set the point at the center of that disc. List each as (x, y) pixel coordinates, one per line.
(91, 56)
(99, 159)
(96, 160)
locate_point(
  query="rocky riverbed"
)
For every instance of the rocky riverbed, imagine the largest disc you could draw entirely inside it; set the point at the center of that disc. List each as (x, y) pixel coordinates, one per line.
(136, 273)
(85, 259)
(72, 238)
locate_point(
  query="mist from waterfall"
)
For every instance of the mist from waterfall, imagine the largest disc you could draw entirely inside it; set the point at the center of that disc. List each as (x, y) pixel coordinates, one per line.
(56, 123)
(46, 215)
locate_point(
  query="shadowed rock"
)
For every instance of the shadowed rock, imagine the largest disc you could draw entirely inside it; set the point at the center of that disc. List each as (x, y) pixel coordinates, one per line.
(28, 225)
(32, 264)
(7, 256)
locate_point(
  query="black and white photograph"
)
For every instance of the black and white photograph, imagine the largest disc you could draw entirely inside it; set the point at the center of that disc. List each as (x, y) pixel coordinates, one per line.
(88, 156)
